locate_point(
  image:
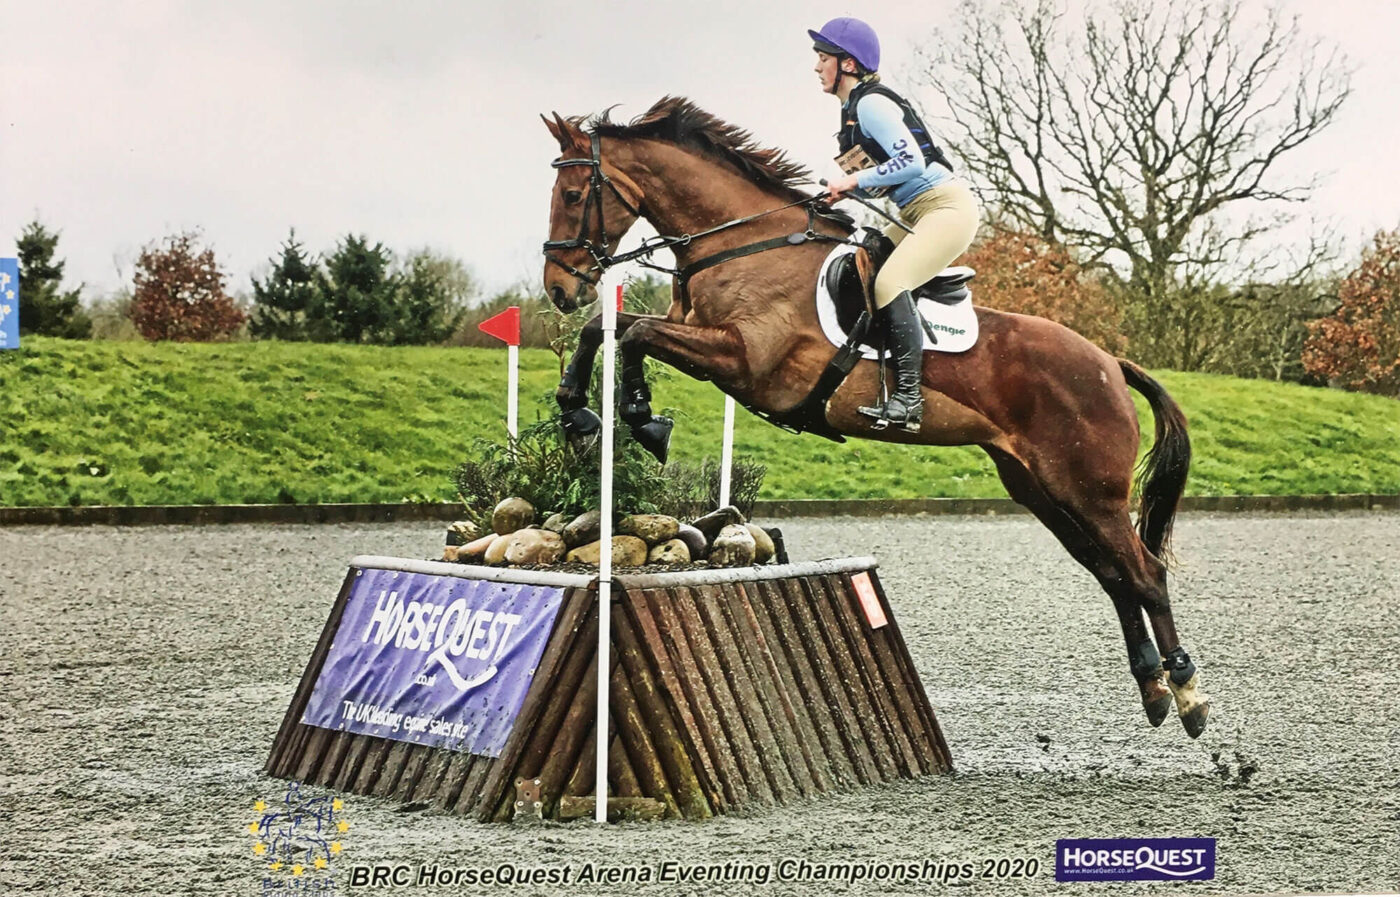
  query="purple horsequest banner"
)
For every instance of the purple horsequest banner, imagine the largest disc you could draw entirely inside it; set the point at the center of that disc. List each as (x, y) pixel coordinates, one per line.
(433, 660)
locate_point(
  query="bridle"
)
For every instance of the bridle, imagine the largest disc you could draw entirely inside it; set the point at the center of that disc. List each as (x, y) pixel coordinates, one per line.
(602, 260)
(599, 251)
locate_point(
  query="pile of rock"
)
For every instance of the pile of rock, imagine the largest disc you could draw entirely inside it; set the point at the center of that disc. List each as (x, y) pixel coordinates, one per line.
(721, 538)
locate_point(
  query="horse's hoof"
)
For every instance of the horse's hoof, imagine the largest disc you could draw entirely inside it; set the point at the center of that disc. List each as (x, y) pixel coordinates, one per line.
(1192, 705)
(580, 426)
(1194, 720)
(1158, 708)
(655, 436)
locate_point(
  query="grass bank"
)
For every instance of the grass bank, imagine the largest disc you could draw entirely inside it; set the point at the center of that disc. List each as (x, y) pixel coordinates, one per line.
(138, 423)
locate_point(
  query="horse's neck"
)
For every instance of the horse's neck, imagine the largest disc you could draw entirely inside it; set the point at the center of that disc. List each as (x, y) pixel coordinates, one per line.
(687, 194)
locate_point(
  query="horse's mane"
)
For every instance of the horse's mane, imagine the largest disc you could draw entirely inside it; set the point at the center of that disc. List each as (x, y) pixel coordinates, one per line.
(677, 120)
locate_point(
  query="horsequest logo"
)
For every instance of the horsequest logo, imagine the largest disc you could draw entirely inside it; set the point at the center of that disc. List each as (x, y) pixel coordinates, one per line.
(477, 634)
(297, 840)
(1135, 859)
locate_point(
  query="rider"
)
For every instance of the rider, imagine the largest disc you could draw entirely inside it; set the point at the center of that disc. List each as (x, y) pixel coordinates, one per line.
(902, 159)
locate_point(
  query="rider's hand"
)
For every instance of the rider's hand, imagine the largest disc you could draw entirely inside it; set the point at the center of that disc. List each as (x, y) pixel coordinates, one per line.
(843, 184)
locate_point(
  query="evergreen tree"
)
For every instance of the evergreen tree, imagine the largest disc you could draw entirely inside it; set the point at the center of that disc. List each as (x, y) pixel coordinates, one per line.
(287, 303)
(432, 299)
(45, 309)
(357, 288)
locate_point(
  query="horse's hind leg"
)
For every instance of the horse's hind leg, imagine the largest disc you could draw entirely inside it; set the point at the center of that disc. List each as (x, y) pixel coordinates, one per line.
(1143, 660)
(1127, 569)
(1192, 704)
(1145, 577)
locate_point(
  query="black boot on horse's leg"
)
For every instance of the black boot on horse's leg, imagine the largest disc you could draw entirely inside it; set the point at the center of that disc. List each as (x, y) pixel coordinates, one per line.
(905, 407)
(1191, 703)
(634, 407)
(579, 423)
(1146, 665)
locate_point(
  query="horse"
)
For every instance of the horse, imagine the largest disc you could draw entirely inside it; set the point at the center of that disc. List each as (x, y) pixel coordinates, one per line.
(1050, 408)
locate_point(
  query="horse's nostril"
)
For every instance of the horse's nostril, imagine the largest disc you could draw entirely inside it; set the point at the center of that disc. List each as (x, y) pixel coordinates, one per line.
(557, 294)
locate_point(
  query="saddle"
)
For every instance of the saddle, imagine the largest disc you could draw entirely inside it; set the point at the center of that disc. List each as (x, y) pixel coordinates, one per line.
(847, 288)
(848, 278)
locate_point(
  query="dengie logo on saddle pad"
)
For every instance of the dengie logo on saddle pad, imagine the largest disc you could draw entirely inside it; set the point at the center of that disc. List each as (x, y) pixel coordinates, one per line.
(953, 323)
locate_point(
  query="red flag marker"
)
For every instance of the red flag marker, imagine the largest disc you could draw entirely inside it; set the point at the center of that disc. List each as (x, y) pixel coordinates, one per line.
(504, 326)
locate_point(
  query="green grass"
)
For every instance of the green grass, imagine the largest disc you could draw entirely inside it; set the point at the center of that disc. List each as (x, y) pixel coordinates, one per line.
(136, 423)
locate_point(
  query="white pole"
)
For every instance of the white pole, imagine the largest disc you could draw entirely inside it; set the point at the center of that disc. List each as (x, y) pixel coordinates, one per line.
(600, 809)
(726, 456)
(513, 392)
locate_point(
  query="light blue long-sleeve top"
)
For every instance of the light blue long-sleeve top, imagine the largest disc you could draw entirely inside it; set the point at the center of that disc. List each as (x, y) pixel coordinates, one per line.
(905, 171)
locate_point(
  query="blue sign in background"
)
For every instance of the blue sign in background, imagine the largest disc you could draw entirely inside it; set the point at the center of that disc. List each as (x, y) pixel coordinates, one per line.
(1135, 859)
(433, 660)
(9, 303)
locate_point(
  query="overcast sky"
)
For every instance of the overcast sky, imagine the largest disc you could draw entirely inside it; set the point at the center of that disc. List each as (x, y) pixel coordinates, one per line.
(417, 124)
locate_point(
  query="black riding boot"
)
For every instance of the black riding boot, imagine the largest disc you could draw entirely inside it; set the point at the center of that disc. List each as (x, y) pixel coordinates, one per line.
(905, 338)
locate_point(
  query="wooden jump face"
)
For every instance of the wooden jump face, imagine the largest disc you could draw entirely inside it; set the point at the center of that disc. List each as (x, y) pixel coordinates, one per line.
(730, 689)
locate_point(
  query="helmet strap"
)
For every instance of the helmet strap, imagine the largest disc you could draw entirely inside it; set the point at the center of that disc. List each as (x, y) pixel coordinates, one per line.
(842, 73)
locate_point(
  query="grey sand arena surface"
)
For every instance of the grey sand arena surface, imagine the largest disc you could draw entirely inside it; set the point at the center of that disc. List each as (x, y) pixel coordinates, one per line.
(146, 670)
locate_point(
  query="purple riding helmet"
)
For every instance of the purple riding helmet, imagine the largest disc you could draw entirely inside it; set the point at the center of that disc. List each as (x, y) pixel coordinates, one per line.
(849, 37)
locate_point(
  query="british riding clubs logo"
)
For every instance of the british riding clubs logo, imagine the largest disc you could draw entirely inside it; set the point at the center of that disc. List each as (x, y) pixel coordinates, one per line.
(1135, 859)
(298, 838)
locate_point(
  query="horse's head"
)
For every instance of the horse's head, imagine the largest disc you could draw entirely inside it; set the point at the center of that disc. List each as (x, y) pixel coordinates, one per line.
(593, 205)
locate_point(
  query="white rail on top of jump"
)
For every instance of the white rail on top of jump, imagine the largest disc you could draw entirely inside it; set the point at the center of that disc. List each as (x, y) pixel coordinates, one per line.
(468, 571)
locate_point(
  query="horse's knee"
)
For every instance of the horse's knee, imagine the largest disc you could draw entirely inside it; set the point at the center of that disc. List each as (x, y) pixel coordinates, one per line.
(634, 337)
(591, 334)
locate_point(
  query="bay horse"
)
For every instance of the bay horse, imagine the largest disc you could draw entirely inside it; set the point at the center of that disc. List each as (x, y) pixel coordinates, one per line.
(1051, 409)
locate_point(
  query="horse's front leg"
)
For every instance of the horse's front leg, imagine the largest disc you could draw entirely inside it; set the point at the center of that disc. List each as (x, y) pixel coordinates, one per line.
(578, 422)
(705, 353)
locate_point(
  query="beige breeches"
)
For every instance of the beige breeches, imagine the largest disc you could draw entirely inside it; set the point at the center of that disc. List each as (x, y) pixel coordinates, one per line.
(944, 220)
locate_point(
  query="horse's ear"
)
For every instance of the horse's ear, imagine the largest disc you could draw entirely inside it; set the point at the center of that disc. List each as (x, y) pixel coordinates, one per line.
(555, 128)
(569, 135)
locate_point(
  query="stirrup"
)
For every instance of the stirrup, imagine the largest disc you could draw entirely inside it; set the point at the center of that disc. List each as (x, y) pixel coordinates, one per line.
(910, 420)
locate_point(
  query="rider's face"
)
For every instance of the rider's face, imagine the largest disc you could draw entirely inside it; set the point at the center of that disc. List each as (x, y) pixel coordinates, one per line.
(826, 69)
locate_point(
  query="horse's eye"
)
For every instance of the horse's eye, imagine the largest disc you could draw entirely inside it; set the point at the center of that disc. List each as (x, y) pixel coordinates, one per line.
(573, 197)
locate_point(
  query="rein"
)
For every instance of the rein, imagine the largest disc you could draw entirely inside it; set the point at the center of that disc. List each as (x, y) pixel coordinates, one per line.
(602, 260)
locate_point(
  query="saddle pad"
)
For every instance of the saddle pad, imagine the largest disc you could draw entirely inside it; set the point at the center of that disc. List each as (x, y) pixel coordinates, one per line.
(956, 324)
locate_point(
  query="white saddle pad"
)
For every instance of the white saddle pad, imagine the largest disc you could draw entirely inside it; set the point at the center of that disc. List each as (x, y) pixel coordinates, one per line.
(956, 325)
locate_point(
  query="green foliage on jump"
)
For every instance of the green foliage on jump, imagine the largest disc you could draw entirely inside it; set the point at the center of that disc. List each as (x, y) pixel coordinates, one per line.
(93, 422)
(546, 471)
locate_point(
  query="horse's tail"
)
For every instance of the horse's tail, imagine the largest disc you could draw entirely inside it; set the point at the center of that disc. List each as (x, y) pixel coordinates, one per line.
(1162, 475)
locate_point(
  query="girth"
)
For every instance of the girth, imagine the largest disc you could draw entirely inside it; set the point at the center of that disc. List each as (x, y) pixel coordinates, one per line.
(809, 415)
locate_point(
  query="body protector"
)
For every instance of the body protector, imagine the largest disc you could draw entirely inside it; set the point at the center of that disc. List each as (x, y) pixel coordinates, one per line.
(850, 135)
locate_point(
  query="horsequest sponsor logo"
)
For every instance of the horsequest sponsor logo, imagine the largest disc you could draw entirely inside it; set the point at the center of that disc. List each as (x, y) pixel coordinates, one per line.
(1135, 859)
(453, 629)
(297, 839)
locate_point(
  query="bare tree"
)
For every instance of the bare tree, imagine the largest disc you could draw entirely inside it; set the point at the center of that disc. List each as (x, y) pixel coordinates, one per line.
(1148, 138)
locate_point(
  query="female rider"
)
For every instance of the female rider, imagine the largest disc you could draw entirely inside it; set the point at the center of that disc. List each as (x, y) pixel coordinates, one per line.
(902, 159)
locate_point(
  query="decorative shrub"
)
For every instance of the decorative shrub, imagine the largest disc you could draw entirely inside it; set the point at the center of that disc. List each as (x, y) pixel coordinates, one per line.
(547, 472)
